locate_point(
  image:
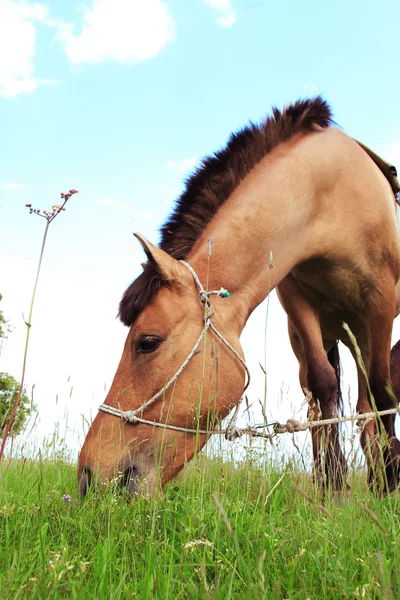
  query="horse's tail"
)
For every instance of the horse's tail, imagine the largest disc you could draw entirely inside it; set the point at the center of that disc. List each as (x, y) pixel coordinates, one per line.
(334, 359)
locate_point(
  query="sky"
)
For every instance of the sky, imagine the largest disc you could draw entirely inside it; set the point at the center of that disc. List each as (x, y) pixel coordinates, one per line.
(120, 99)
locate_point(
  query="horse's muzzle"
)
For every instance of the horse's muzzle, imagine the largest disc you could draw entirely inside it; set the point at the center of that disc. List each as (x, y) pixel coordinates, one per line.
(85, 480)
(131, 479)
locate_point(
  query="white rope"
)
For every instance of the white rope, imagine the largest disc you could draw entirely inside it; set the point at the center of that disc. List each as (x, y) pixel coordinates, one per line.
(131, 418)
(230, 432)
(291, 425)
(131, 415)
(175, 377)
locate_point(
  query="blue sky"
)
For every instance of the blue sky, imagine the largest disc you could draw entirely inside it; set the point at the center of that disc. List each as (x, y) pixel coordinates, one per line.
(120, 99)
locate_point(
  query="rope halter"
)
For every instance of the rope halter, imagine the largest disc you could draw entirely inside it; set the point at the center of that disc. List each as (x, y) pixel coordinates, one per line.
(131, 416)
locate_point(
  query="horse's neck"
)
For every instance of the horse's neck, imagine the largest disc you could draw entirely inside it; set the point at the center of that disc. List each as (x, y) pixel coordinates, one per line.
(258, 235)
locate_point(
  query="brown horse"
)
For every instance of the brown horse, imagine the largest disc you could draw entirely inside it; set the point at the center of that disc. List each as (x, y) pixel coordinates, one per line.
(300, 191)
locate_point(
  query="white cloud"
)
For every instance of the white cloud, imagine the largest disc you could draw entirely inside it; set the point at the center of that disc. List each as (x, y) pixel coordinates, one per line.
(182, 166)
(110, 202)
(127, 31)
(224, 12)
(11, 186)
(17, 47)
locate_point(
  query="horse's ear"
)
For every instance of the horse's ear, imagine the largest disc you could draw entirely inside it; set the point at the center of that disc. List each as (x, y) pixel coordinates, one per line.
(169, 268)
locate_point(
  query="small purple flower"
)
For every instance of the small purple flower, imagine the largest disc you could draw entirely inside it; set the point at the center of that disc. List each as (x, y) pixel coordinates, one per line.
(66, 498)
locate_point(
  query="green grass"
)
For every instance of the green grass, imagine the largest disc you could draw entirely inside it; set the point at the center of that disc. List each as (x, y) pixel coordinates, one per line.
(188, 543)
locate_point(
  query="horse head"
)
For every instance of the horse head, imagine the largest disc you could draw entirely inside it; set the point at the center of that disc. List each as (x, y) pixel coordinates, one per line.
(174, 371)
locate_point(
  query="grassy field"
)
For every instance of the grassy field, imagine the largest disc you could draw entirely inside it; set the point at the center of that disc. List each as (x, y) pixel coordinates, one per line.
(218, 531)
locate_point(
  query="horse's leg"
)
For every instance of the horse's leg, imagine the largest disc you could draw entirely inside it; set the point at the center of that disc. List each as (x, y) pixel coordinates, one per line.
(382, 313)
(395, 369)
(314, 411)
(321, 376)
(368, 437)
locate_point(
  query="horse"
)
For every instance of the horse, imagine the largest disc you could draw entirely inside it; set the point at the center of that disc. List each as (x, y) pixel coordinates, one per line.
(395, 369)
(293, 204)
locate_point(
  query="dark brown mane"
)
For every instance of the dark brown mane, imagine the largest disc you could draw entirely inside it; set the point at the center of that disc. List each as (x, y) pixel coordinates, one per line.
(212, 184)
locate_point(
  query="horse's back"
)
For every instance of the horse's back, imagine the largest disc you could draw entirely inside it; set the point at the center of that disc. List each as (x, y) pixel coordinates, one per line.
(355, 251)
(355, 206)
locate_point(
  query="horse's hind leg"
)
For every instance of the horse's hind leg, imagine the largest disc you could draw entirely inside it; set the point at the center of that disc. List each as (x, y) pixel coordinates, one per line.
(368, 437)
(318, 378)
(318, 375)
(382, 313)
(314, 411)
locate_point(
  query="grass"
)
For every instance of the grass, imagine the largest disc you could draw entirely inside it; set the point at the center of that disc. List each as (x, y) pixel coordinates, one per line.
(252, 529)
(218, 531)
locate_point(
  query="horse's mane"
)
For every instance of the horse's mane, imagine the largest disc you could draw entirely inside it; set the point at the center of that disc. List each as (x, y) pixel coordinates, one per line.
(211, 185)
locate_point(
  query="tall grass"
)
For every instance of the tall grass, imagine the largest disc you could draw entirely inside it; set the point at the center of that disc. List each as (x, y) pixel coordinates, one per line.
(249, 528)
(219, 531)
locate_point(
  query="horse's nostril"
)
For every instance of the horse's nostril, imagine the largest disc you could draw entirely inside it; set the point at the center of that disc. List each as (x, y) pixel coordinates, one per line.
(129, 478)
(85, 480)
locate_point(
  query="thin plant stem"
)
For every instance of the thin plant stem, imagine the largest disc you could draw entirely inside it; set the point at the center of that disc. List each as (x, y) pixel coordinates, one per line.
(49, 216)
(270, 266)
(28, 331)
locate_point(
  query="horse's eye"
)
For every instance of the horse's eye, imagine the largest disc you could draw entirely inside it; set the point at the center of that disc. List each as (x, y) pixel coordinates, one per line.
(147, 344)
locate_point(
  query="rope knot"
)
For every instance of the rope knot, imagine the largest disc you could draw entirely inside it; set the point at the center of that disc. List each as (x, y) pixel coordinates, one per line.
(204, 299)
(292, 425)
(233, 433)
(130, 417)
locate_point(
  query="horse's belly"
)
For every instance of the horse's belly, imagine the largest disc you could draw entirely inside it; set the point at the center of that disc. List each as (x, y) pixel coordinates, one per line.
(332, 326)
(330, 288)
